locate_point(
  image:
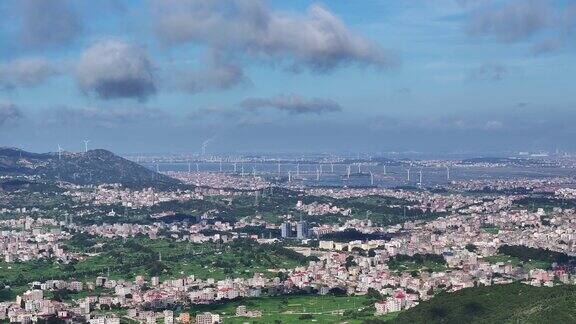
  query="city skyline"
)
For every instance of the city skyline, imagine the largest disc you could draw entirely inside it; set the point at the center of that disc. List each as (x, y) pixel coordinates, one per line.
(303, 76)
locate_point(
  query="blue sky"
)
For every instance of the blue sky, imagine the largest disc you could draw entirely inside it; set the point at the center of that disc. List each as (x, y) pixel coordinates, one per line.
(372, 75)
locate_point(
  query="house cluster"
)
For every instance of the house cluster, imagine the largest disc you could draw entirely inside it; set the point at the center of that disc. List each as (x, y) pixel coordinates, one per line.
(242, 180)
(319, 209)
(26, 239)
(115, 194)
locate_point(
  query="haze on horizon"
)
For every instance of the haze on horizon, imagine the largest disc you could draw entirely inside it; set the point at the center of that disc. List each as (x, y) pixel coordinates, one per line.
(256, 75)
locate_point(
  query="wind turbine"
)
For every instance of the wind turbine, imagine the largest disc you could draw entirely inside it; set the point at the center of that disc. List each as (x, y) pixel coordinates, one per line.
(420, 173)
(59, 152)
(371, 179)
(408, 173)
(86, 141)
(448, 173)
(384, 169)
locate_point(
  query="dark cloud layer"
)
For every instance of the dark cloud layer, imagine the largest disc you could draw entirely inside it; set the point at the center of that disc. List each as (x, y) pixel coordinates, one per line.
(113, 69)
(48, 22)
(9, 113)
(317, 39)
(25, 72)
(293, 104)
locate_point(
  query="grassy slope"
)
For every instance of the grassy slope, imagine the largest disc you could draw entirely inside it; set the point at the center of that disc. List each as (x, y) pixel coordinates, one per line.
(514, 303)
(289, 309)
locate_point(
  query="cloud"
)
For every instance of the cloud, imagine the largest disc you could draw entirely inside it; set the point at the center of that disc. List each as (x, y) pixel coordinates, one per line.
(550, 26)
(445, 123)
(102, 117)
(489, 72)
(318, 39)
(26, 72)
(547, 46)
(216, 75)
(113, 69)
(512, 22)
(48, 22)
(215, 111)
(9, 113)
(293, 104)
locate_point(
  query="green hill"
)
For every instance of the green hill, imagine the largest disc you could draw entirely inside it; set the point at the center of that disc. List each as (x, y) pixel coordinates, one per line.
(93, 167)
(513, 303)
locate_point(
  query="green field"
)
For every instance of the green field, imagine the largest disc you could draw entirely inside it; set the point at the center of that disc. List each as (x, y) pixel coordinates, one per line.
(417, 263)
(491, 229)
(527, 265)
(141, 256)
(513, 303)
(298, 309)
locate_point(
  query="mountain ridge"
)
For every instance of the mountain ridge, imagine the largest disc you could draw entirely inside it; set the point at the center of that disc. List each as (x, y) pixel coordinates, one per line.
(93, 167)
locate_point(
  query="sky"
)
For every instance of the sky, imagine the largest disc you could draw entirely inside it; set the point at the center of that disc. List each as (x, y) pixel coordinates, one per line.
(166, 76)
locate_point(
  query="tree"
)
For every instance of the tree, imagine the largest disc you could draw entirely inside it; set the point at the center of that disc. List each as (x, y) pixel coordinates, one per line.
(471, 247)
(350, 262)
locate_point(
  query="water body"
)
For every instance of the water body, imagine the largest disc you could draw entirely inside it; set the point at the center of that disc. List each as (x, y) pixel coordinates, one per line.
(327, 175)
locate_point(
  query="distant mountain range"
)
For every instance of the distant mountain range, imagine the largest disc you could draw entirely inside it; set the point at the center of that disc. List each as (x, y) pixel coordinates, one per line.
(93, 167)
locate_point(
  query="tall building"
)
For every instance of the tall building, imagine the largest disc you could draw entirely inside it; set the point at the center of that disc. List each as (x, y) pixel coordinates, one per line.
(286, 230)
(302, 230)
